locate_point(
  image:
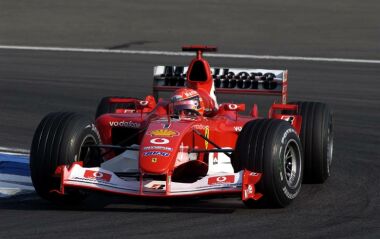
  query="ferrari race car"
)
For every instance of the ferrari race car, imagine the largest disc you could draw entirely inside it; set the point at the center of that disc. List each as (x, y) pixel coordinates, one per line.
(187, 145)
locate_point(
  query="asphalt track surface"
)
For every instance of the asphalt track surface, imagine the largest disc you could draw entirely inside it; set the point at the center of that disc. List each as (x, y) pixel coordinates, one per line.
(33, 83)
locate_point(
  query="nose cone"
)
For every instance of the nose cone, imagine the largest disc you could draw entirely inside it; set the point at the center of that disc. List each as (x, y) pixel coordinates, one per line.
(159, 147)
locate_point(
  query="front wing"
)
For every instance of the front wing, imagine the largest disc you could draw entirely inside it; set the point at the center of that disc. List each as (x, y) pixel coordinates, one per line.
(99, 179)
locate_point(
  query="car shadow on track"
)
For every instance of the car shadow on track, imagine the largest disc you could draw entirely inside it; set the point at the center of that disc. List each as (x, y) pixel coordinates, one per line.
(101, 202)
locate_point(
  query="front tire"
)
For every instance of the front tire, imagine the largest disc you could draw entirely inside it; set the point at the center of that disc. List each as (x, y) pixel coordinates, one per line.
(59, 140)
(271, 147)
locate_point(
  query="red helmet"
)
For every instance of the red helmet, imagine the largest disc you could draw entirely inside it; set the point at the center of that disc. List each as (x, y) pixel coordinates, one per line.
(187, 101)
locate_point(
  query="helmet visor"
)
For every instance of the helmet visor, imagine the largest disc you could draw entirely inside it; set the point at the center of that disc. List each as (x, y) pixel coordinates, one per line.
(188, 105)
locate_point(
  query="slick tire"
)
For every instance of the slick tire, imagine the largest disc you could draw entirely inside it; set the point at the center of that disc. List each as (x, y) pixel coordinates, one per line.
(105, 106)
(317, 138)
(271, 147)
(59, 140)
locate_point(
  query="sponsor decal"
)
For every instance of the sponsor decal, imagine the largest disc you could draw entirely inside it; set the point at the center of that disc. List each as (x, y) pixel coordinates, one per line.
(156, 153)
(154, 160)
(91, 174)
(234, 74)
(232, 106)
(290, 119)
(158, 148)
(238, 128)
(127, 124)
(207, 134)
(228, 179)
(199, 126)
(124, 111)
(163, 133)
(288, 131)
(157, 185)
(215, 159)
(159, 141)
(288, 194)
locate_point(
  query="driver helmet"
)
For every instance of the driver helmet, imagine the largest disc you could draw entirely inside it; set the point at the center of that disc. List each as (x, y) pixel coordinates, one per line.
(187, 101)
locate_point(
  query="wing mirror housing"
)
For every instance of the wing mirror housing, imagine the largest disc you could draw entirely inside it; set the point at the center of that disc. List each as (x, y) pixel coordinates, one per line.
(234, 107)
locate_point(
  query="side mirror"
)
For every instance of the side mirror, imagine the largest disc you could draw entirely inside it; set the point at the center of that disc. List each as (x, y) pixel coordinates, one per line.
(148, 103)
(234, 107)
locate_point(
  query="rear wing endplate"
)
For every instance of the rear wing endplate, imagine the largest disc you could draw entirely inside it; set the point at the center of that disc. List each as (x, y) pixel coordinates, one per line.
(226, 80)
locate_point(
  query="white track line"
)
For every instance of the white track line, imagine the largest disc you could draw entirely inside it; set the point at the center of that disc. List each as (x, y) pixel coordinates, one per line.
(14, 151)
(174, 53)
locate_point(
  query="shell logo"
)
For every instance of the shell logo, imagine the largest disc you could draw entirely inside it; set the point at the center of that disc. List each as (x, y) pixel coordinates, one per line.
(164, 133)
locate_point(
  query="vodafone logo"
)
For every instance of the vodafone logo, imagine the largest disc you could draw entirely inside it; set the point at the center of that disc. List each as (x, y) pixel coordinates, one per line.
(232, 106)
(91, 174)
(159, 141)
(97, 174)
(228, 179)
(127, 124)
(221, 179)
(238, 128)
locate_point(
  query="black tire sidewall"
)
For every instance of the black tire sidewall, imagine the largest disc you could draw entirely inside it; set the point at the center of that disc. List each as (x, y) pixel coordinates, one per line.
(75, 137)
(274, 171)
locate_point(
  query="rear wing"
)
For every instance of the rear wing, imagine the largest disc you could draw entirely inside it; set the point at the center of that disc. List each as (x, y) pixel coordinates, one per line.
(226, 80)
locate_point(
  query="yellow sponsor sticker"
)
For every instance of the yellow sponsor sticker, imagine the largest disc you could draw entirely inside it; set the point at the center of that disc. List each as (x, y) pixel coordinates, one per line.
(207, 134)
(163, 133)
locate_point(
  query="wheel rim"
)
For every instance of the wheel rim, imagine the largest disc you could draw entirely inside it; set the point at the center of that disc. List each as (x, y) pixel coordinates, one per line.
(292, 164)
(330, 145)
(86, 153)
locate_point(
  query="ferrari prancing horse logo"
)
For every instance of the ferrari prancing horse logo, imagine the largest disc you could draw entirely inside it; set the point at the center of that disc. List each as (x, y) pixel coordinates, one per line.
(154, 160)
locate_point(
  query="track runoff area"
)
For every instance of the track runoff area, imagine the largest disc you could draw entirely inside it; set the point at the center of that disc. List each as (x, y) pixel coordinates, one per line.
(14, 163)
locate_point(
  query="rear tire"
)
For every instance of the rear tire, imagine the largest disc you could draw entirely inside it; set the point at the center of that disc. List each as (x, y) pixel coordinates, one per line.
(57, 141)
(271, 147)
(317, 138)
(105, 106)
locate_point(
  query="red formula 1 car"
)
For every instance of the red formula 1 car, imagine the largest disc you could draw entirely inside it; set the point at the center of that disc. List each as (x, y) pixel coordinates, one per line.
(188, 144)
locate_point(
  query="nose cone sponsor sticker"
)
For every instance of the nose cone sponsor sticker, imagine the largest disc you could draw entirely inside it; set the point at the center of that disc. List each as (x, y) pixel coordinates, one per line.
(163, 133)
(156, 153)
(159, 141)
(158, 148)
